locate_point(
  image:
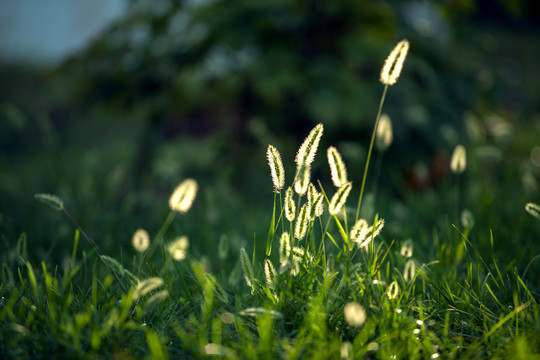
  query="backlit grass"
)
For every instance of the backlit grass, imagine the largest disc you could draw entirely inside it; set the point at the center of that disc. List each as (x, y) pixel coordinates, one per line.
(331, 284)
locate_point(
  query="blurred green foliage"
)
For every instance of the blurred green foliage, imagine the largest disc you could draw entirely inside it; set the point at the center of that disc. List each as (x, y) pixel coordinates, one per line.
(200, 88)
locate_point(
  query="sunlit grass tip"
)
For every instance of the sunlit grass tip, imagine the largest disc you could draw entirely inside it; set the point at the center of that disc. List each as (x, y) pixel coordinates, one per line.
(533, 209)
(247, 268)
(315, 202)
(308, 149)
(409, 271)
(276, 168)
(359, 231)
(339, 198)
(393, 290)
(290, 206)
(458, 162)
(337, 167)
(284, 248)
(354, 313)
(146, 286)
(312, 194)
(362, 234)
(270, 273)
(298, 254)
(178, 248)
(303, 176)
(467, 219)
(302, 222)
(407, 248)
(394, 63)
(52, 200)
(384, 133)
(183, 196)
(140, 240)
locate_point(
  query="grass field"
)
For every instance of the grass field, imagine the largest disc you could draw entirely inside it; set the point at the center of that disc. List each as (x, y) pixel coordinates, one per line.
(333, 267)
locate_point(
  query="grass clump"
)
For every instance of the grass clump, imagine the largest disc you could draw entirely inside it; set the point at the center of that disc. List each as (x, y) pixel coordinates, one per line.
(330, 286)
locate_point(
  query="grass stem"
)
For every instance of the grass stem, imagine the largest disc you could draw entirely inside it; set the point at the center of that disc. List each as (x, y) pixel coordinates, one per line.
(374, 133)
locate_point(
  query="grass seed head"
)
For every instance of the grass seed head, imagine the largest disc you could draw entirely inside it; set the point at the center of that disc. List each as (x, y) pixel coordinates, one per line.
(247, 269)
(183, 196)
(141, 240)
(303, 176)
(467, 218)
(112, 263)
(315, 202)
(178, 248)
(533, 209)
(362, 234)
(375, 229)
(337, 167)
(284, 248)
(290, 206)
(407, 248)
(319, 205)
(154, 300)
(410, 270)
(359, 231)
(146, 286)
(384, 133)
(339, 198)
(52, 200)
(298, 253)
(393, 290)
(458, 162)
(297, 256)
(311, 193)
(394, 63)
(270, 273)
(276, 168)
(354, 313)
(308, 149)
(302, 222)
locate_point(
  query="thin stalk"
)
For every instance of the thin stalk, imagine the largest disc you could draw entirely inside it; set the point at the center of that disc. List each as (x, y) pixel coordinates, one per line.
(158, 237)
(370, 150)
(378, 167)
(458, 197)
(100, 254)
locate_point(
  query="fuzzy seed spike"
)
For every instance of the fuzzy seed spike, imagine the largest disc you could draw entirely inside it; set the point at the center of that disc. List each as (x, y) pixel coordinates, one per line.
(140, 240)
(247, 269)
(178, 248)
(52, 200)
(339, 198)
(337, 167)
(270, 274)
(302, 223)
(276, 168)
(308, 149)
(458, 162)
(384, 133)
(394, 63)
(284, 248)
(303, 176)
(290, 206)
(183, 196)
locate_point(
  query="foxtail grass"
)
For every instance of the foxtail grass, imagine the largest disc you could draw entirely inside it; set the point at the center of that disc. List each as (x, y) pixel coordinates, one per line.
(389, 75)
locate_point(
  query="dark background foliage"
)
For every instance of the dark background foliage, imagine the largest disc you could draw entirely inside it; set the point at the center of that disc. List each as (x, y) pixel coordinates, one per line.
(199, 89)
